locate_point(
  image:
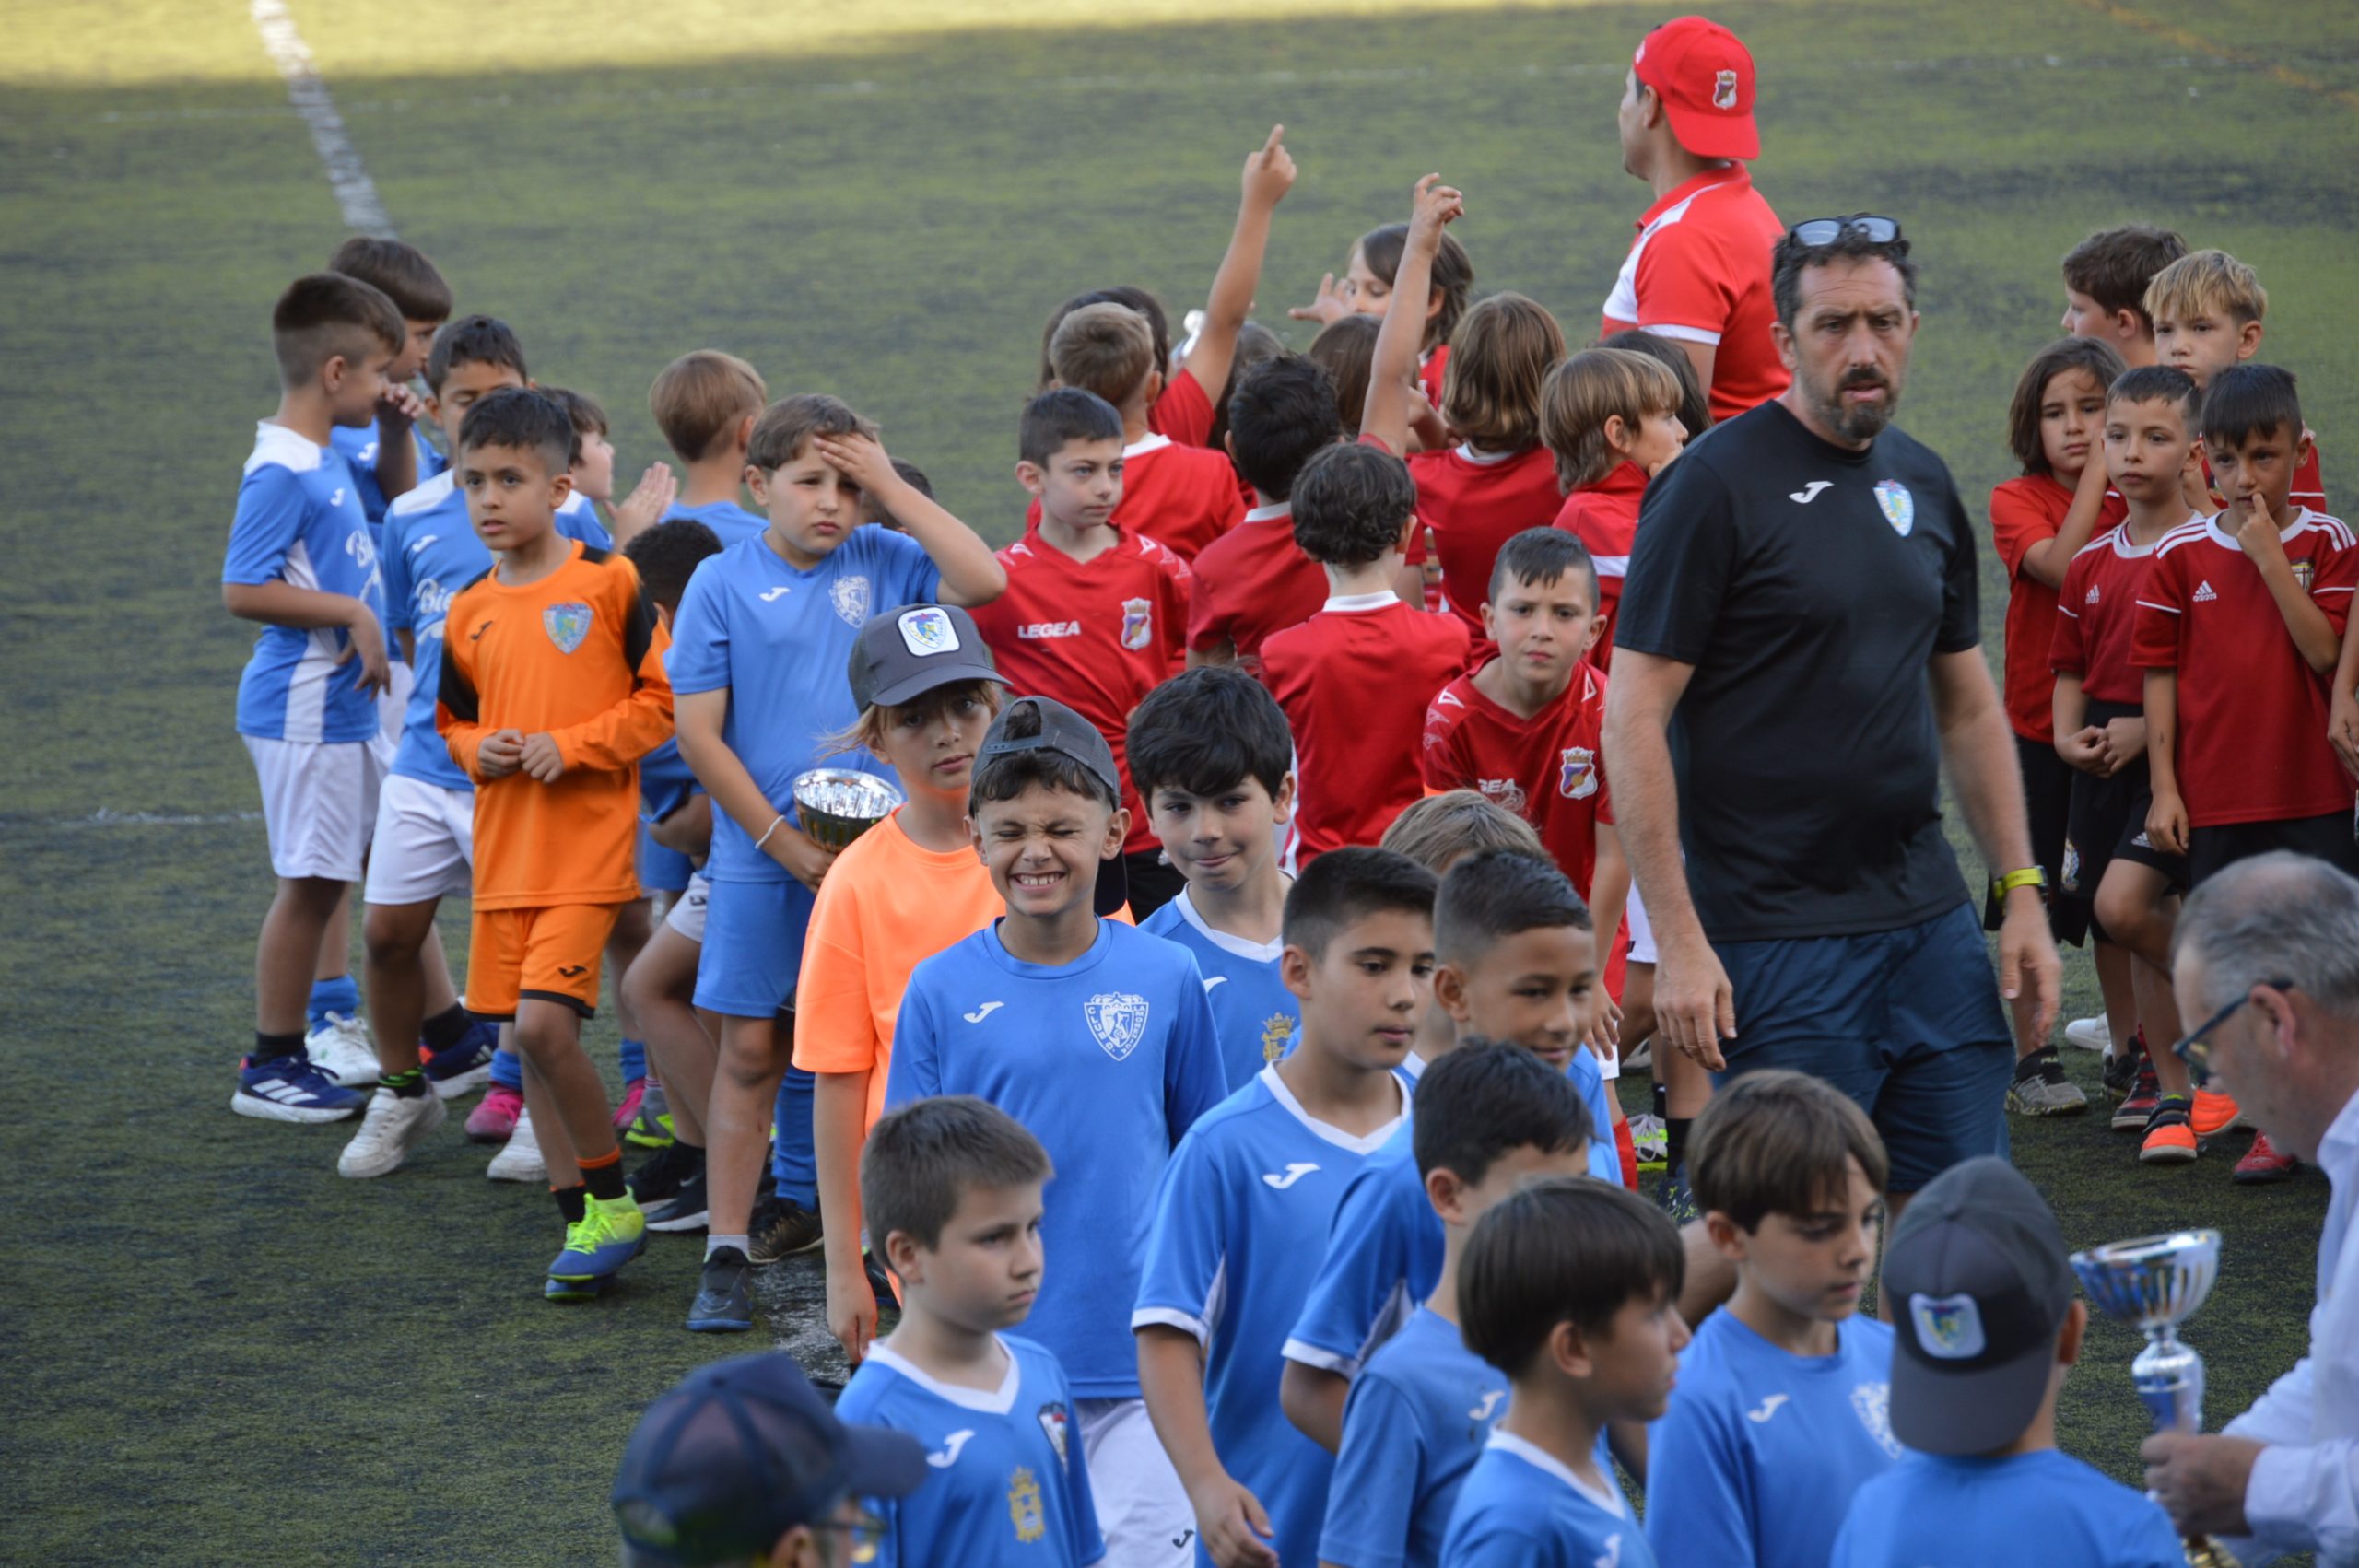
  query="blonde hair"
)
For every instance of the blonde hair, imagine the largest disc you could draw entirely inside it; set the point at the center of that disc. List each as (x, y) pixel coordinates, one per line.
(699, 397)
(1589, 389)
(878, 719)
(2205, 281)
(1106, 349)
(1440, 830)
(1499, 357)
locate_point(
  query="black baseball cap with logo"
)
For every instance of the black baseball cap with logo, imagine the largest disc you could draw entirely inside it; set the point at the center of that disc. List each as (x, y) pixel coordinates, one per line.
(1979, 1283)
(1071, 736)
(905, 653)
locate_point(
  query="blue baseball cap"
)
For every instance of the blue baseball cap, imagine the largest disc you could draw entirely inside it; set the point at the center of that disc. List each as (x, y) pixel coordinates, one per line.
(737, 1453)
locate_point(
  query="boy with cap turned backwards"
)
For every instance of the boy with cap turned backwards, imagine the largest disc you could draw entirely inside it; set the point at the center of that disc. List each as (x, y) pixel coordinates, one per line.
(1987, 1326)
(743, 1462)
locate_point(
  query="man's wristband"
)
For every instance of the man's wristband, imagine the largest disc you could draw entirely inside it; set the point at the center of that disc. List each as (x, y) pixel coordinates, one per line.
(2030, 877)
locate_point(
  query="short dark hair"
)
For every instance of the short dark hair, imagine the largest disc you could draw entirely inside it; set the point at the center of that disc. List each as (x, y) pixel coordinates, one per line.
(1256, 346)
(787, 426)
(2098, 358)
(475, 340)
(1351, 503)
(2113, 266)
(1207, 731)
(1778, 1142)
(1542, 555)
(1565, 1249)
(1063, 414)
(1351, 884)
(327, 314)
(910, 474)
(920, 1159)
(522, 419)
(589, 415)
(2160, 383)
(1496, 893)
(1283, 414)
(1008, 775)
(1453, 273)
(1159, 325)
(1495, 1097)
(1694, 398)
(668, 554)
(2244, 401)
(414, 284)
(1792, 258)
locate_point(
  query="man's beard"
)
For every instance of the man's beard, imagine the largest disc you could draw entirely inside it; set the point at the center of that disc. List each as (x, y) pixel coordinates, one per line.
(1855, 422)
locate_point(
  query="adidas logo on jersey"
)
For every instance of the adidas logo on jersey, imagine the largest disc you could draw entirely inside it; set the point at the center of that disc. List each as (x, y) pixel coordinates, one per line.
(2203, 594)
(1038, 631)
(2093, 595)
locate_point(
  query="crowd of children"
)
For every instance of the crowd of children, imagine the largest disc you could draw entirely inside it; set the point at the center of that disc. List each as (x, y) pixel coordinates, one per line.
(1226, 838)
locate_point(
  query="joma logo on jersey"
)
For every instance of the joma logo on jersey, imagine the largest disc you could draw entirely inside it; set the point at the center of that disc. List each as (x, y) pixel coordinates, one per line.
(1577, 773)
(1038, 631)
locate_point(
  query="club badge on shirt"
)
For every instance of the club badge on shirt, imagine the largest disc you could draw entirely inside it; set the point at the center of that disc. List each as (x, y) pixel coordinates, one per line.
(1118, 1019)
(1578, 778)
(1054, 1420)
(1138, 622)
(1277, 1030)
(2304, 572)
(1024, 1505)
(1872, 1402)
(566, 625)
(1899, 506)
(849, 596)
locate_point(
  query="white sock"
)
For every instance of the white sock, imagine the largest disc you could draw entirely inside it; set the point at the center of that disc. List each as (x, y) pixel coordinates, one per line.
(713, 1244)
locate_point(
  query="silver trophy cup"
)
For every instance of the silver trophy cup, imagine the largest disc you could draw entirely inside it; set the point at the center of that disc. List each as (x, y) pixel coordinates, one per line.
(2156, 1283)
(836, 804)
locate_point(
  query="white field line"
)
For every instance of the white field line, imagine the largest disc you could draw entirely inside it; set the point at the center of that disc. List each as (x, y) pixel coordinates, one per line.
(108, 817)
(356, 193)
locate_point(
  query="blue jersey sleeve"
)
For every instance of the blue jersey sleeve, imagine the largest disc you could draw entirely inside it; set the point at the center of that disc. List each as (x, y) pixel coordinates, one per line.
(1604, 1159)
(1700, 1506)
(1500, 1543)
(860, 1403)
(271, 504)
(1089, 1543)
(1379, 1476)
(1194, 1081)
(582, 522)
(699, 661)
(916, 1070)
(1185, 1246)
(393, 560)
(905, 573)
(1367, 1267)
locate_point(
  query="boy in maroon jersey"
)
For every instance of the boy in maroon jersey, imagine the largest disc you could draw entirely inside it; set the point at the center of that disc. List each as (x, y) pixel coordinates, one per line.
(1093, 616)
(1254, 579)
(1351, 679)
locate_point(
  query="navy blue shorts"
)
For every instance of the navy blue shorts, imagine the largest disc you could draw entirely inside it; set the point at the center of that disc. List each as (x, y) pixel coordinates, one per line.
(1907, 1022)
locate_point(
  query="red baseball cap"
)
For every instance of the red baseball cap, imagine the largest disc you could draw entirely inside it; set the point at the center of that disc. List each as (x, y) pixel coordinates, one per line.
(1703, 73)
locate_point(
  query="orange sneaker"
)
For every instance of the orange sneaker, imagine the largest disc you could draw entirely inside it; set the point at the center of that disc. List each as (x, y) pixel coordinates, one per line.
(2214, 1114)
(2169, 1140)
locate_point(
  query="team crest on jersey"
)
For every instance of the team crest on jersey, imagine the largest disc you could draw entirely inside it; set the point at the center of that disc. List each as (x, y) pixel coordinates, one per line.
(1504, 793)
(928, 631)
(1024, 1505)
(1899, 506)
(1872, 1402)
(1138, 622)
(1577, 777)
(1277, 1030)
(1724, 90)
(566, 625)
(1948, 1327)
(1054, 1420)
(1118, 1019)
(2304, 572)
(849, 596)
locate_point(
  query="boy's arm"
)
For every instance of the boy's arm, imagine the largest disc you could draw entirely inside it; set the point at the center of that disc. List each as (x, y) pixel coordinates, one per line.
(1609, 893)
(1230, 1520)
(970, 574)
(1372, 1499)
(281, 604)
(687, 831)
(458, 715)
(2046, 560)
(2166, 817)
(1700, 1503)
(836, 1042)
(617, 738)
(398, 414)
(1314, 1399)
(2314, 635)
(698, 717)
(2076, 741)
(2342, 707)
(1269, 174)
(838, 1127)
(1386, 416)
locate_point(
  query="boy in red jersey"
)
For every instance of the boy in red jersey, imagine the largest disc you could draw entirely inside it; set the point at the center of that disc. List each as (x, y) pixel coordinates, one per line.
(1254, 579)
(1612, 419)
(2208, 309)
(2105, 277)
(1094, 615)
(2240, 623)
(1181, 496)
(1350, 677)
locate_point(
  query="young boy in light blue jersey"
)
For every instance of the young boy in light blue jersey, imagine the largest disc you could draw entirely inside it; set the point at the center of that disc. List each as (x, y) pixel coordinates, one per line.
(388, 456)
(1247, 1200)
(758, 655)
(302, 561)
(1986, 1326)
(951, 1190)
(1782, 1410)
(1489, 1119)
(1097, 1037)
(707, 404)
(1213, 761)
(1570, 1287)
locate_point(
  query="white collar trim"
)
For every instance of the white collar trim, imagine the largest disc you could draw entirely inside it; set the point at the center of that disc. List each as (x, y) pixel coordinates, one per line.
(1327, 1132)
(1275, 509)
(1145, 444)
(1258, 952)
(1473, 453)
(1359, 604)
(997, 1403)
(1540, 1458)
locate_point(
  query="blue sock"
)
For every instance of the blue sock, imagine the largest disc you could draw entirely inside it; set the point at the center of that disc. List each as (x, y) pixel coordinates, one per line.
(792, 1160)
(341, 995)
(508, 1070)
(634, 1059)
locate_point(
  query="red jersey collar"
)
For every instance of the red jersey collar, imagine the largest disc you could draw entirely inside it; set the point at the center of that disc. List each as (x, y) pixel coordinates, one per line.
(1734, 175)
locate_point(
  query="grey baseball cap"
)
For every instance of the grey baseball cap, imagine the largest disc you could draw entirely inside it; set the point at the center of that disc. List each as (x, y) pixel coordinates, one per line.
(907, 652)
(1979, 1284)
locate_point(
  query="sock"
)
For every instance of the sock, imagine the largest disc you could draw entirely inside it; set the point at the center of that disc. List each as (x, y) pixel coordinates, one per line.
(508, 1070)
(446, 1029)
(634, 1055)
(1675, 1142)
(1662, 1104)
(268, 1047)
(410, 1085)
(713, 1244)
(341, 995)
(604, 1175)
(1629, 1153)
(572, 1202)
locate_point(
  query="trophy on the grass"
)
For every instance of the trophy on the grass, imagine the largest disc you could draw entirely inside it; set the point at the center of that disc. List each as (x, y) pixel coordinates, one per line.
(837, 806)
(2156, 1283)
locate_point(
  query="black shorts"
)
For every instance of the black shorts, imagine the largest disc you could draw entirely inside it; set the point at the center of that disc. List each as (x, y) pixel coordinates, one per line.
(2211, 850)
(2047, 792)
(2109, 821)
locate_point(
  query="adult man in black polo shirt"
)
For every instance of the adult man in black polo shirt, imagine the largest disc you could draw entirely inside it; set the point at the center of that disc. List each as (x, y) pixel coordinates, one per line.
(1801, 631)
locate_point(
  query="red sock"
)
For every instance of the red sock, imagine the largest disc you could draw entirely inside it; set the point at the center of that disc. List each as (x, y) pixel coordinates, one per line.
(1629, 1152)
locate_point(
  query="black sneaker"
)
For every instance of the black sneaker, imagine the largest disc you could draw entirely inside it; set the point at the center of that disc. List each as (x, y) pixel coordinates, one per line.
(2122, 1072)
(783, 1228)
(724, 1304)
(684, 1210)
(880, 1282)
(664, 1173)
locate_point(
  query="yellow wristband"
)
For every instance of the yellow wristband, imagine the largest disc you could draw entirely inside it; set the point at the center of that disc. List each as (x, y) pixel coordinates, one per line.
(2030, 877)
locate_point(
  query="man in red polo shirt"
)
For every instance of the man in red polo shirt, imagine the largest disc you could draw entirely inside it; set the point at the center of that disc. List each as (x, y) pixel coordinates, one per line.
(1698, 273)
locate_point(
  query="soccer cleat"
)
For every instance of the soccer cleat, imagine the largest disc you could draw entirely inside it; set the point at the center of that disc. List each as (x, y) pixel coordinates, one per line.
(1650, 1140)
(609, 1234)
(2170, 1140)
(626, 1112)
(2089, 1033)
(466, 1066)
(782, 1230)
(2145, 1094)
(663, 1172)
(1674, 1199)
(724, 1304)
(2264, 1163)
(2040, 1087)
(2215, 1114)
(494, 1118)
(576, 1290)
(391, 1128)
(651, 1128)
(520, 1158)
(291, 1088)
(685, 1211)
(341, 1048)
(2122, 1072)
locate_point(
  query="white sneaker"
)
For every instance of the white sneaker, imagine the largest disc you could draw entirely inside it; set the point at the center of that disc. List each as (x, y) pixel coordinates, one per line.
(1640, 1058)
(391, 1129)
(520, 1158)
(340, 1048)
(2090, 1034)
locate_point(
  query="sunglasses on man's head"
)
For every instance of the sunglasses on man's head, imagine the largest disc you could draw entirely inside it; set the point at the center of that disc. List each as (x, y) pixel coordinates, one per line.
(2195, 1048)
(1819, 231)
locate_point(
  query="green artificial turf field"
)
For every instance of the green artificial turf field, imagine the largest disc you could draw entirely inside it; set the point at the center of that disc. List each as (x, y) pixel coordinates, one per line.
(219, 1351)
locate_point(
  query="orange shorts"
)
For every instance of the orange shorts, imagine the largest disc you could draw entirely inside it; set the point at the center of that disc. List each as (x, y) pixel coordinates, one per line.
(550, 955)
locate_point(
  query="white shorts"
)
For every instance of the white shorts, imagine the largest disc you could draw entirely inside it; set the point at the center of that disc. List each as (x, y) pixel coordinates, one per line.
(319, 799)
(686, 913)
(393, 704)
(1642, 930)
(1142, 1511)
(425, 846)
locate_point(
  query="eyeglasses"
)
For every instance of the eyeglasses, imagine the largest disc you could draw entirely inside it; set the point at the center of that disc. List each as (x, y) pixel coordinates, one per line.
(2195, 1050)
(1818, 231)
